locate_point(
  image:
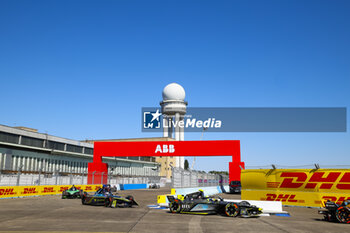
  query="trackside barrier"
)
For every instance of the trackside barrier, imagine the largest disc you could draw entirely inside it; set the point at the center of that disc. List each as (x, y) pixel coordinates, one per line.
(296, 187)
(208, 191)
(26, 191)
(133, 186)
(268, 207)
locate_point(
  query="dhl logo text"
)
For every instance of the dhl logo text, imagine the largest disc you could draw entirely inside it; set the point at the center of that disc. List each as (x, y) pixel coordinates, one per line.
(48, 190)
(282, 197)
(88, 188)
(63, 189)
(337, 200)
(29, 191)
(6, 192)
(321, 180)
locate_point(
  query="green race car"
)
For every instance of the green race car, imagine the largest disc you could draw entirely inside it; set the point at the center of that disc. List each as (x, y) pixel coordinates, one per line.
(72, 193)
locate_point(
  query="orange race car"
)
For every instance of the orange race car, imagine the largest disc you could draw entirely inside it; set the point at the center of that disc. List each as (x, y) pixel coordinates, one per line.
(336, 213)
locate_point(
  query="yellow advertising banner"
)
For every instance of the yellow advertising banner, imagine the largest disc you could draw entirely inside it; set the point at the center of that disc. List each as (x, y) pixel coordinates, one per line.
(299, 187)
(8, 191)
(25, 191)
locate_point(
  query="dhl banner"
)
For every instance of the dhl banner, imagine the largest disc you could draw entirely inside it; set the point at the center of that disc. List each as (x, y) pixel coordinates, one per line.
(299, 187)
(24, 191)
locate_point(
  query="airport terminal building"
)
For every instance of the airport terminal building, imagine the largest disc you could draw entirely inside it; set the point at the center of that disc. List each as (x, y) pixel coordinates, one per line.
(26, 150)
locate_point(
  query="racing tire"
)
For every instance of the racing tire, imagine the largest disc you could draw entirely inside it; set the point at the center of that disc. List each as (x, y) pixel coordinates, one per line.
(231, 209)
(343, 214)
(83, 198)
(174, 207)
(108, 202)
(131, 199)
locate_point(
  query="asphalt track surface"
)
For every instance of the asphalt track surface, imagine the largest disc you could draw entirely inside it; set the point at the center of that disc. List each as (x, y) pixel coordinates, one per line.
(53, 214)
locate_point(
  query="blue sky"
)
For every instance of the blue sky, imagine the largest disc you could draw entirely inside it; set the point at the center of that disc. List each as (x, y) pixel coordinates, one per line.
(84, 69)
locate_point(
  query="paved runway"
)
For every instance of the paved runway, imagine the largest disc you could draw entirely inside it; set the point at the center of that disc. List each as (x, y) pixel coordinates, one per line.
(52, 214)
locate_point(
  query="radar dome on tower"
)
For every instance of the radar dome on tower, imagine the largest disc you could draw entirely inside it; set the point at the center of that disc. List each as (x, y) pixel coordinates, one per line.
(174, 91)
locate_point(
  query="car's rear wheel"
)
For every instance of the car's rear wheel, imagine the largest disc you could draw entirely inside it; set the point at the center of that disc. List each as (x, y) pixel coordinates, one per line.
(231, 209)
(343, 214)
(131, 199)
(108, 201)
(83, 198)
(174, 207)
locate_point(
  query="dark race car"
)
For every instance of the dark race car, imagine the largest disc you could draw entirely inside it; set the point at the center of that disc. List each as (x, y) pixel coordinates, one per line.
(336, 213)
(72, 193)
(104, 197)
(196, 203)
(154, 186)
(235, 186)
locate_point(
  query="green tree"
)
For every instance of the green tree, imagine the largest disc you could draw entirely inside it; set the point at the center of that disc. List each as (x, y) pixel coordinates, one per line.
(219, 172)
(186, 164)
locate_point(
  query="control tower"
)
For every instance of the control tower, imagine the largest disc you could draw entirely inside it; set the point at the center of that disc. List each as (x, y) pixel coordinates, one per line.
(173, 111)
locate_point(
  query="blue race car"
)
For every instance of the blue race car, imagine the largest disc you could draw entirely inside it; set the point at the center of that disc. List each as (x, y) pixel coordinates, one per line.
(104, 197)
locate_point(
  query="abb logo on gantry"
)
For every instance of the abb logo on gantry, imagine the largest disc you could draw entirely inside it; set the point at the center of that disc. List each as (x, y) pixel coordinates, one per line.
(318, 179)
(165, 149)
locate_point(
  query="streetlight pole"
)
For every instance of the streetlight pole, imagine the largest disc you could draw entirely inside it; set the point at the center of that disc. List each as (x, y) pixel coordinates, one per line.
(194, 158)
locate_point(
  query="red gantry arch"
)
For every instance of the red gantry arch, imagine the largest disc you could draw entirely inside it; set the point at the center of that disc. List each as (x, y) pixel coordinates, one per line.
(163, 148)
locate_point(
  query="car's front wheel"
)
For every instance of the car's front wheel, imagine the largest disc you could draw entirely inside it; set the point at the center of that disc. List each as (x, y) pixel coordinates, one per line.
(231, 209)
(343, 214)
(174, 207)
(131, 199)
